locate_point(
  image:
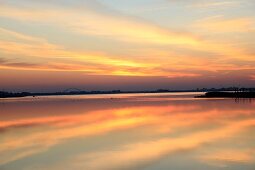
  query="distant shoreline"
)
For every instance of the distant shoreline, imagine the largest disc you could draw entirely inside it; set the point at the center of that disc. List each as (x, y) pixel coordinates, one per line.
(231, 92)
(28, 94)
(237, 94)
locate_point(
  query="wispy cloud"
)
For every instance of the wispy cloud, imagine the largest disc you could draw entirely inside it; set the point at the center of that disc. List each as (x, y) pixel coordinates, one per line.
(117, 27)
(101, 24)
(214, 4)
(224, 25)
(57, 57)
(148, 49)
(223, 157)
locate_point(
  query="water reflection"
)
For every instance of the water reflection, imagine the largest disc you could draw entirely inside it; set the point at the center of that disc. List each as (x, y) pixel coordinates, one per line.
(126, 132)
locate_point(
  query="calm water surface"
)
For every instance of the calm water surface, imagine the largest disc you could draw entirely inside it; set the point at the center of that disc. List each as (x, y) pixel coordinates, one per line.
(127, 132)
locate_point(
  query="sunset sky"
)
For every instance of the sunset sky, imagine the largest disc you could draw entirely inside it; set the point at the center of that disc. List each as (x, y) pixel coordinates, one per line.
(126, 44)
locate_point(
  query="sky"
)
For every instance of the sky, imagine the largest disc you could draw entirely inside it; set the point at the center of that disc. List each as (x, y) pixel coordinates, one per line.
(126, 44)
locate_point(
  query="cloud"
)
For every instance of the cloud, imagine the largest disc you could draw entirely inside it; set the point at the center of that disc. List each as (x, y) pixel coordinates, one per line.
(25, 45)
(119, 27)
(47, 56)
(8, 34)
(208, 4)
(91, 22)
(95, 20)
(51, 57)
(2, 60)
(226, 156)
(222, 25)
(215, 4)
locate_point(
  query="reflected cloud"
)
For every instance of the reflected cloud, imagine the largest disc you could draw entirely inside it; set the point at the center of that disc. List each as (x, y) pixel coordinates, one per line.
(174, 126)
(135, 155)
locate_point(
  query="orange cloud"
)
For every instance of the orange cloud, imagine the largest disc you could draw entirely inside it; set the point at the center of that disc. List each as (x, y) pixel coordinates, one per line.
(52, 57)
(132, 30)
(220, 24)
(95, 23)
